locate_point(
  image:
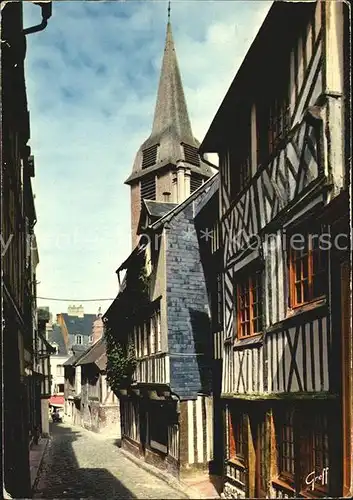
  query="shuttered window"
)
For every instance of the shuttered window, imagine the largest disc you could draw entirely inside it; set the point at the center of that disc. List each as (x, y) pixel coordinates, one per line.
(195, 182)
(149, 156)
(191, 154)
(148, 188)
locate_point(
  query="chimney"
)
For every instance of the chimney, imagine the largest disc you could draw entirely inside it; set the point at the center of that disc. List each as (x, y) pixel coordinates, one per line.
(97, 328)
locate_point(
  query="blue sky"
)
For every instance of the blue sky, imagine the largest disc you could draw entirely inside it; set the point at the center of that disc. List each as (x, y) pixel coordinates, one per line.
(92, 78)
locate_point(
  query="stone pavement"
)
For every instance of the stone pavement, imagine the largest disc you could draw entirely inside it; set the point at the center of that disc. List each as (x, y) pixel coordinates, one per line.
(81, 464)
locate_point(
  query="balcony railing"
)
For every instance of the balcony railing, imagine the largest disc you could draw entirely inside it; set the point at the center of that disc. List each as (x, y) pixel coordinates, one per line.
(153, 369)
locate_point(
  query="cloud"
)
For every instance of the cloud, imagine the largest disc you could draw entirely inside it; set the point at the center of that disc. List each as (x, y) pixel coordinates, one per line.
(92, 77)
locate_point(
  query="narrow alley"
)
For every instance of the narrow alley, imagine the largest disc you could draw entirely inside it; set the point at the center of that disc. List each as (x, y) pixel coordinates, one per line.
(80, 464)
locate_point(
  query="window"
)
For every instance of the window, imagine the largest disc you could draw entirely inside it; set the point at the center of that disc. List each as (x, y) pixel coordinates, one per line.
(91, 338)
(237, 436)
(59, 370)
(153, 335)
(307, 268)
(149, 156)
(158, 427)
(240, 166)
(195, 182)
(216, 237)
(191, 154)
(158, 332)
(272, 119)
(78, 340)
(261, 459)
(148, 188)
(316, 454)
(249, 305)
(145, 338)
(286, 446)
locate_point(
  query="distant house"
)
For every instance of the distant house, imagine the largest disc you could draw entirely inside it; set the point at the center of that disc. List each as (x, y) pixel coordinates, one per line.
(72, 387)
(56, 340)
(89, 401)
(76, 326)
(100, 410)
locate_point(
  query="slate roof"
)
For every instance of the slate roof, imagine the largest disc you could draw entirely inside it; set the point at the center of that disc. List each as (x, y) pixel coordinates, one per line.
(171, 124)
(158, 208)
(81, 326)
(78, 351)
(57, 337)
(211, 192)
(95, 354)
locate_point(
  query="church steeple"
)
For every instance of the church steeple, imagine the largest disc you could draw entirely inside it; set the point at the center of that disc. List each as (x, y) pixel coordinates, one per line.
(171, 114)
(167, 166)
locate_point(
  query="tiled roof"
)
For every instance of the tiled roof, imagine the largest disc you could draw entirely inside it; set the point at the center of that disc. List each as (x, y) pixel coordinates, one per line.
(78, 351)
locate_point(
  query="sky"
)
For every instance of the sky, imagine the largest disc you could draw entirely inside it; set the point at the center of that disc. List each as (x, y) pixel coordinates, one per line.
(92, 78)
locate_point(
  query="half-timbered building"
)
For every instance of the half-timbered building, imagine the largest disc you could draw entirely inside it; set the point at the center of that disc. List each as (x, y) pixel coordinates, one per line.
(20, 384)
(282, 136)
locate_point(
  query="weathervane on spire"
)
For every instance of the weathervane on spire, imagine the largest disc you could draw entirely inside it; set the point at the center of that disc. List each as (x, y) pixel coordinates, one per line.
(169, 11)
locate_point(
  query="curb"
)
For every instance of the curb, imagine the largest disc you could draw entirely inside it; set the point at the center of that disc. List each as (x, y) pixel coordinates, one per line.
(40, 465)
(180, 486)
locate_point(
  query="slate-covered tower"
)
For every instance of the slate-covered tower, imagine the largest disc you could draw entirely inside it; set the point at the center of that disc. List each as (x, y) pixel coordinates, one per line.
(167, 166)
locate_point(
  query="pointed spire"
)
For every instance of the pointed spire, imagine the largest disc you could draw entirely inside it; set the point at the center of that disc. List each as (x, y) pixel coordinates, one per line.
(171, 111)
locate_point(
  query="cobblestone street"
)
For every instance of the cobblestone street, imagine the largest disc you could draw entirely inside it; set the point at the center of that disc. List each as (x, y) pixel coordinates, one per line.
(81, 464)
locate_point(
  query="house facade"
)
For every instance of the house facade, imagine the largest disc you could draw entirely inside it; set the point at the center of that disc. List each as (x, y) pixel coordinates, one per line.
(207, 227)
(99, 406)
(20, 385)
(284, 218)
(167, 411)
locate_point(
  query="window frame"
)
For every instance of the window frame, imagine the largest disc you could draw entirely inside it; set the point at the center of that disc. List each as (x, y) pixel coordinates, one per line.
(78, 336)
(309, 263)
(281, 419)
(308, 454)
(237, 439)
(246, 278)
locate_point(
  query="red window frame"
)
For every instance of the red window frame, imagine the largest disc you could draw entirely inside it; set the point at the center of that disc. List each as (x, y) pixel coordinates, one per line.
(249, 305)
(307, 270)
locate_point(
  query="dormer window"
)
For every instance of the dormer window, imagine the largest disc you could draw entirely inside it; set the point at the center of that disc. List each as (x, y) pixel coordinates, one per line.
(149, 156)
(191, 154)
